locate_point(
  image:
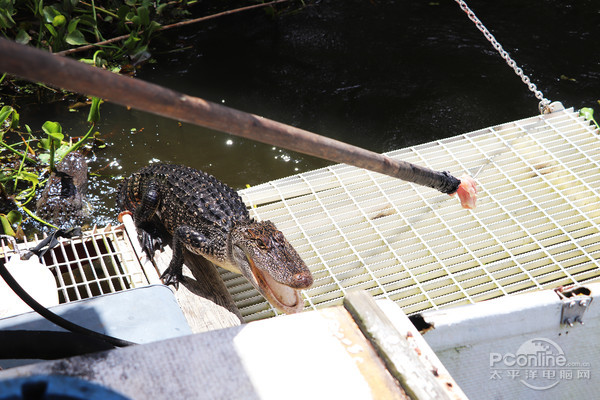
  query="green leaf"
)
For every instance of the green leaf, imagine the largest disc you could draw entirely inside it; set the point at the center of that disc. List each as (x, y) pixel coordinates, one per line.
(14, 217)
(8, 230)
(51, 30)
(22, 37)
(44, 144)
(57, 137)
(94, 115)
(587, 113)
(73, 25)
(88, 20)
(6, 20)
(59, 20)
(61, 152)
(154, 26)
(97, 59)
(131, 42)
(5, 113)
(144, 15)
(51, 127)
(44, 158)
(50, 13)
(15, 120)
(76, 38)
(122, 12)
(28, 176)
(160, 8)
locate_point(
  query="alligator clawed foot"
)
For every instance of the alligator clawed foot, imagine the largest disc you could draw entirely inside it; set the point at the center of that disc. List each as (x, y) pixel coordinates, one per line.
(150, 243)
(170, 278)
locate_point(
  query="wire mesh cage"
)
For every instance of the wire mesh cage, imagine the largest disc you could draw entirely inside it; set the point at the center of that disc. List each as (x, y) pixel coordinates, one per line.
(99, 262)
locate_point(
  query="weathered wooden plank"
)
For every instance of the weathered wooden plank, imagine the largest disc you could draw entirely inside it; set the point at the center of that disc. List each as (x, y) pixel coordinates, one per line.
(419, 379)
(203, 297)
(417, 342)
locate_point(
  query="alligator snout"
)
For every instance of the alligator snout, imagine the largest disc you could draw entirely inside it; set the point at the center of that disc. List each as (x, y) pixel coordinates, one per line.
(302, 280)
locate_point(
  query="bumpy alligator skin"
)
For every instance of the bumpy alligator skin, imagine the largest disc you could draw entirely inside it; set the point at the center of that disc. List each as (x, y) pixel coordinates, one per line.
(63, 200)
(209, 218)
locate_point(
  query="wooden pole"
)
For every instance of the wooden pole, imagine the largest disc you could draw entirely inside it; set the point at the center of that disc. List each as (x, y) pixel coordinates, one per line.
(40, 66)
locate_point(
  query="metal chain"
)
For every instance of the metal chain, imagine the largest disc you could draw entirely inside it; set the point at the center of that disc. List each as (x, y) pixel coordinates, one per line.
(544, 102)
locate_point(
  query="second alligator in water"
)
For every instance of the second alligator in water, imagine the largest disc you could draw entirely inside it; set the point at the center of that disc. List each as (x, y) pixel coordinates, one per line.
(209, 218)
(63, 200)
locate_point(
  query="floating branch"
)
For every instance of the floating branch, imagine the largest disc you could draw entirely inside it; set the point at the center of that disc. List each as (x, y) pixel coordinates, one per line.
(175, 25)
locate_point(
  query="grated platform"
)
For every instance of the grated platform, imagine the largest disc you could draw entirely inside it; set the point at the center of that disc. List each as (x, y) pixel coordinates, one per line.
(101, 261)
(535, 226)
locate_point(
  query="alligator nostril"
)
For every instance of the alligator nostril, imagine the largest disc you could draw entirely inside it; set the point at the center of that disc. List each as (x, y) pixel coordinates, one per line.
(302, 280)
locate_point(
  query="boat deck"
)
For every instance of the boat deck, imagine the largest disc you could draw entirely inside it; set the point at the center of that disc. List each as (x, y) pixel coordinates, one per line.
(535, 226)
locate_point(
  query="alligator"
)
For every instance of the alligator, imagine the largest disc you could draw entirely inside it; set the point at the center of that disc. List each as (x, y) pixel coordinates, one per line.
(63, 200)
(208, 218)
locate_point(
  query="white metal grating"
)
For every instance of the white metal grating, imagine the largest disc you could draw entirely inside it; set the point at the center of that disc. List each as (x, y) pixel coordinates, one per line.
(535, 226)
(99, 262)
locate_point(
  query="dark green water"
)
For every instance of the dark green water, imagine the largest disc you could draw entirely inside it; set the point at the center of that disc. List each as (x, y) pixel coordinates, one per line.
(378, 74)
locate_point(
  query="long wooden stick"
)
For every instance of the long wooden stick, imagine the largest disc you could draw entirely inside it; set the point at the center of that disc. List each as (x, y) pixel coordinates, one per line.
(40, 66)
(175, 25)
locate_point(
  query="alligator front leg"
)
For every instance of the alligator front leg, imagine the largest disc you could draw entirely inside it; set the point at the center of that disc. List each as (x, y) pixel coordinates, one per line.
(144, 212)
(148, 205)
(184, 236)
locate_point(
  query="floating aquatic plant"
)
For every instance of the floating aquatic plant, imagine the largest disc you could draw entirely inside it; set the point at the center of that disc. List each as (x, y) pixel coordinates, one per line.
(588, 113)
(25, 161)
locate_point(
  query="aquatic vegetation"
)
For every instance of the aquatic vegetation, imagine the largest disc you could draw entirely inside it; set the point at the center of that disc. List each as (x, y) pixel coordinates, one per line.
(114, 36)
(26, 158)
(122, 28)
(63, 25)
(588, 113)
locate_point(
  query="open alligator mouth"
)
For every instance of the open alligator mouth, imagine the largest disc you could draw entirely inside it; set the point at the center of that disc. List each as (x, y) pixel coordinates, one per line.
(283, 297)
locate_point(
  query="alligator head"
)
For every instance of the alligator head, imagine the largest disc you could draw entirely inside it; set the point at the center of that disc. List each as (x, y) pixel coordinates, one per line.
(264, 256)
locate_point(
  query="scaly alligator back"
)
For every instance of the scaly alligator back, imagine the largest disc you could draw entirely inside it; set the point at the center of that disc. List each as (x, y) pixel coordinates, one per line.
(187, 196)
(63, 200)
(209, 218)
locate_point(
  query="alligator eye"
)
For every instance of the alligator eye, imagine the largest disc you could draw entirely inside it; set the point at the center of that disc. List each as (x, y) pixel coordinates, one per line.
(261, 244)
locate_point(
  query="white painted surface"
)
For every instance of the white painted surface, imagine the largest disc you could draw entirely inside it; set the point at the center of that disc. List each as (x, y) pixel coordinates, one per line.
(35, 278)
(484, 347)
